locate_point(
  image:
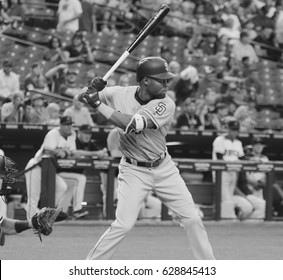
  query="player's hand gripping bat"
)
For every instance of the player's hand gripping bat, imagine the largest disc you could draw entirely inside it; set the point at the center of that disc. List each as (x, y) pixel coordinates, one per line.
(147, 29)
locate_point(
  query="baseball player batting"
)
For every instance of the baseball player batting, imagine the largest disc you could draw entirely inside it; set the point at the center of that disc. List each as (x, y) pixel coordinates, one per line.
(144, 115)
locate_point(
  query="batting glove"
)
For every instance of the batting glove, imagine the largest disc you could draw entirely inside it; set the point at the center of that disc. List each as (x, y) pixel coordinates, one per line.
(97, 84)
(92, 98)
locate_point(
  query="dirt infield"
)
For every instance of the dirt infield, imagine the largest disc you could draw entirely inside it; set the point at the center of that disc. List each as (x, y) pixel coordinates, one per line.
(163, 240)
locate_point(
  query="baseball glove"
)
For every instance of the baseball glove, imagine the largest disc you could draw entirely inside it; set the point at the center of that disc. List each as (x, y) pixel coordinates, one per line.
(43, 221)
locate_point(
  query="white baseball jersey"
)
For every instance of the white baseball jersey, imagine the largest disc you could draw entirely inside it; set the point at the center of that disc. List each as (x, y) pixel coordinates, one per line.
(53, 140)
(231, 150)
(150, 144)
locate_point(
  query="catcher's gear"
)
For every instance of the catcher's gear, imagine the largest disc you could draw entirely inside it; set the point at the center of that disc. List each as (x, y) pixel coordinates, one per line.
(155, 67)
(7, 168)
(97, 84)
(43, 221)
(137, 124)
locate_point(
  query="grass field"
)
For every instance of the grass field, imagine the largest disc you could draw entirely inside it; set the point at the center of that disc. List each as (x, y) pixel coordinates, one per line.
(159, 241)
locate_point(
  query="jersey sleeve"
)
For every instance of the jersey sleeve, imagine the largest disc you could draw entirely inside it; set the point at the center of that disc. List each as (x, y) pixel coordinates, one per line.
(106, 96)
(218, 146)
(160, 111)
(50, 142)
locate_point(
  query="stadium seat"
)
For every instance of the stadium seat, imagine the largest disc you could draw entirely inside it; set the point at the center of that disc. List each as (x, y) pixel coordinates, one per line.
(19, 32)
(6, 42)
(19, 49)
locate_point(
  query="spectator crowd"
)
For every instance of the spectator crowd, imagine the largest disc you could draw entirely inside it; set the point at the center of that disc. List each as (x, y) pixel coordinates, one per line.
(218, 72)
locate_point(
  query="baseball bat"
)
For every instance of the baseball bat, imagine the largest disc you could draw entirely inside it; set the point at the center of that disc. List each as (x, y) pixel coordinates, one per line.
(146, 30)
(53, 95)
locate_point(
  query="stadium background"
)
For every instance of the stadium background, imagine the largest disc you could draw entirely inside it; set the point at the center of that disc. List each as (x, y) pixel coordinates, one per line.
(26, 43)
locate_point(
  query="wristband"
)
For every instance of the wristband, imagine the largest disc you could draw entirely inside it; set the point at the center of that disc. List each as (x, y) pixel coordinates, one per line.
(105, 110)
(141, 122)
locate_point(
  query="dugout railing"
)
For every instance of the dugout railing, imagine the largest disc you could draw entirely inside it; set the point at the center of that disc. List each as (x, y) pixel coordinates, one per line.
(49, 166)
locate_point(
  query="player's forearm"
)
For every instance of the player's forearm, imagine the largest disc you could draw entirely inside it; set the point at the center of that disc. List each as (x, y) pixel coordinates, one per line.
(11, 226)
(83, 153)
(118, 119)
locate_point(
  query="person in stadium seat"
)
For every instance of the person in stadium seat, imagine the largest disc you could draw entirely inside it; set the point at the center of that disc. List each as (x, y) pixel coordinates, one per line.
(9, 81)
(13, 111)
(35, 79)
(79, 113)
(69, 12)
(79, 50)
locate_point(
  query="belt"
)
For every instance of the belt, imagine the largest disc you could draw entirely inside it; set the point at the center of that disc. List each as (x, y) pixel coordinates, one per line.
(146, 163)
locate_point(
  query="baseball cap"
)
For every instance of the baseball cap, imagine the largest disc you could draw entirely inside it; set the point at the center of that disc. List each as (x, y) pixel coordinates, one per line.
(257, 140)
(85, 128)
(233, 125)
(66, 120)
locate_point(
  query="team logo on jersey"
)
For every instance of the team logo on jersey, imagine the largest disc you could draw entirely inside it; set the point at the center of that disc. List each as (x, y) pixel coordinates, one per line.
(160, 108)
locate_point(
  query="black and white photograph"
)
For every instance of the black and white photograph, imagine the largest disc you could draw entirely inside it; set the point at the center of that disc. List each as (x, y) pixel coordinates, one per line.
(142, 131)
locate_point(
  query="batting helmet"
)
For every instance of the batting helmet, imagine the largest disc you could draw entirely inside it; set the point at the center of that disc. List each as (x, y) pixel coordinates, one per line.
(155, 67)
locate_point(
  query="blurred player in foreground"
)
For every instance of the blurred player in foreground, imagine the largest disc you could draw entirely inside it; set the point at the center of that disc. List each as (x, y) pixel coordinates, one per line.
(41, 222)
(144, 115)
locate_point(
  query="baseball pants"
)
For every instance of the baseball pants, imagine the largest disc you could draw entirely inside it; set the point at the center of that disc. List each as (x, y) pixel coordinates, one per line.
(33, 184)
(103, 188)
(135, 183)
(253, 207)
(228, 186)
(76, 189)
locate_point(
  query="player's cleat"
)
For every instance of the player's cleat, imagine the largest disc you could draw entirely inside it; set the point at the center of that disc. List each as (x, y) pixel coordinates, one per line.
(2, 237)
(62, 217)
(79, 214)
